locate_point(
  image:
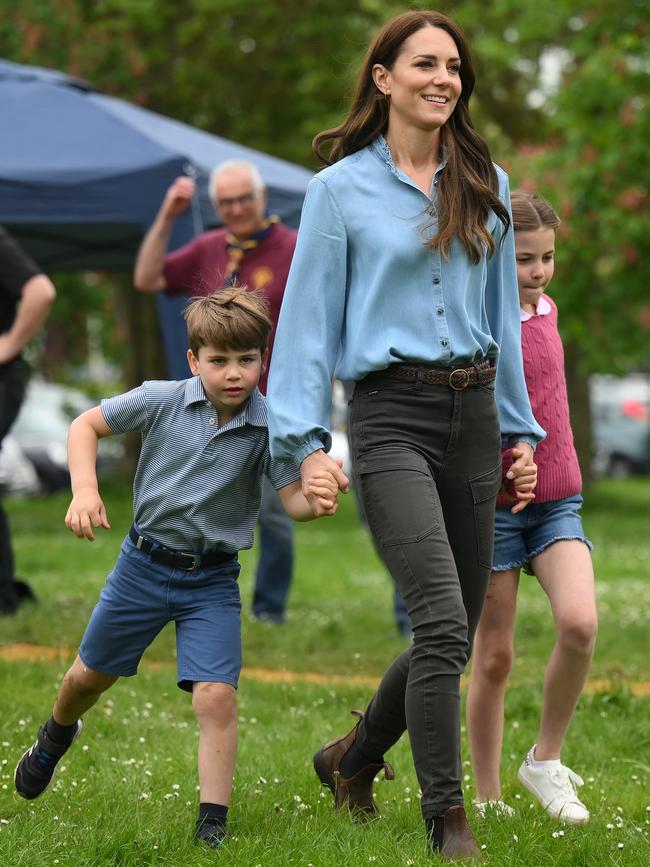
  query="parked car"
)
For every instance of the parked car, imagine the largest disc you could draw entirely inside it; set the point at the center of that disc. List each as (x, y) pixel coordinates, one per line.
(38, 438)
(620, 410)
(17, 472)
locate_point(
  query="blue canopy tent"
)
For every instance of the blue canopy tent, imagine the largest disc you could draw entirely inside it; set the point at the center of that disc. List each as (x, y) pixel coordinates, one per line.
(83, 174)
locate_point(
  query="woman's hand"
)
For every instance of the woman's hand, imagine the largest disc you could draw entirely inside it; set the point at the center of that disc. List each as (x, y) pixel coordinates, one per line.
(316, 466)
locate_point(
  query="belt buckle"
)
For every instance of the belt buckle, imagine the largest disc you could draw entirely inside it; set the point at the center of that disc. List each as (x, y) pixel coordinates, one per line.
(459, 379)
(193, 561)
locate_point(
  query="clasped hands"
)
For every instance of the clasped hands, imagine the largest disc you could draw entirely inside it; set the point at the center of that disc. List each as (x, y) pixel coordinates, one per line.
(523, 474)
(323, 479)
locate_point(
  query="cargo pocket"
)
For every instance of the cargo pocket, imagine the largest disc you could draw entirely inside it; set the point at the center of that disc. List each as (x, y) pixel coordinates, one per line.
(484, 493)
(399, 497)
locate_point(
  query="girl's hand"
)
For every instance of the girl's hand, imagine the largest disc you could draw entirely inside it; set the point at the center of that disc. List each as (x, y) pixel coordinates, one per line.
(523, 472)
(85, 512)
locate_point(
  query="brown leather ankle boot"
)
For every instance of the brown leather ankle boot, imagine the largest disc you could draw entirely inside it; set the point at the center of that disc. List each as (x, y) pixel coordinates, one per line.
(355, 791)
(458, 841)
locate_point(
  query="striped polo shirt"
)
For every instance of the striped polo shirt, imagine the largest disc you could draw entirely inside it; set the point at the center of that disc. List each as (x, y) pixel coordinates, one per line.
(198, 485)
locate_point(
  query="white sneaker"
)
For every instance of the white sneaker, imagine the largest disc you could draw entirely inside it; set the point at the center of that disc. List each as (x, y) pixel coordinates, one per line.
(554, 785)
(499, 808)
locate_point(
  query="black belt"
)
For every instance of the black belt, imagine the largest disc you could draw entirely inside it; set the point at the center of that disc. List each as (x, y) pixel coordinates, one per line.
(481, 373)
(179, 559)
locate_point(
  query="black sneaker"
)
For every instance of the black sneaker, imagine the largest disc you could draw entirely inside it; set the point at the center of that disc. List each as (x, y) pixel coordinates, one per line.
(210, 832)
(36, 768)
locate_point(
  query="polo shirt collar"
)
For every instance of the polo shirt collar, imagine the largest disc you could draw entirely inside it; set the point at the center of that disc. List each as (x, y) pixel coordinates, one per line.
(193, 391)
(254, 413)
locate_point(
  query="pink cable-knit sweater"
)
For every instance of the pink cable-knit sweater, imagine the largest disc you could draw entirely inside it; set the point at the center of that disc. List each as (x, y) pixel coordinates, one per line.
(558, 471)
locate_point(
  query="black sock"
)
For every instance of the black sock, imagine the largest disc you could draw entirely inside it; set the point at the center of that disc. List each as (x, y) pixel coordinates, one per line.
(215, 814)
(435, 830)
(60, 734)
(354, 760)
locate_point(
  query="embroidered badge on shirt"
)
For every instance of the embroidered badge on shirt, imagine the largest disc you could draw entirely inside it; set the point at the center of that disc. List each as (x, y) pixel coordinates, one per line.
(262, 277)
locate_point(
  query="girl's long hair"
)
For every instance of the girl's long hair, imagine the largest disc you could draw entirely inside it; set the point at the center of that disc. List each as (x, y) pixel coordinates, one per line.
(468, 187)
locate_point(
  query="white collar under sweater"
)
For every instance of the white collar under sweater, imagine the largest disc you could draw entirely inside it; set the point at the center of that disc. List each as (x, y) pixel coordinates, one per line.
(543, 307)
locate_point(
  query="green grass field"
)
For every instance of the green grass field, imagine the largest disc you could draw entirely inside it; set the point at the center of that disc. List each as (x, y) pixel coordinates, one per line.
(126, 793)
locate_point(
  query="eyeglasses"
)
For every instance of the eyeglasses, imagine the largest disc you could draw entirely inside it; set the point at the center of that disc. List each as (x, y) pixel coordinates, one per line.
(244, 201)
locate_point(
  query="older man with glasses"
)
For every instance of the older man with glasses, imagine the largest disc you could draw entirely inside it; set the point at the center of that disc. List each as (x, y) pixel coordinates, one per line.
(251, 250)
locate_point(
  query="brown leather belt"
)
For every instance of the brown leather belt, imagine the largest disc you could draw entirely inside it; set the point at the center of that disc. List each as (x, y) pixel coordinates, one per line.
(481, 373)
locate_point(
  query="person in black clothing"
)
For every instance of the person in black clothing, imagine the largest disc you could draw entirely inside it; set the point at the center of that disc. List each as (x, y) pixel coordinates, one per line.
(26, 296)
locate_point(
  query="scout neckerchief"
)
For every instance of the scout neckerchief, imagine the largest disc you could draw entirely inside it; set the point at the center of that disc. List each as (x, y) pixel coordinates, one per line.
(238, 249)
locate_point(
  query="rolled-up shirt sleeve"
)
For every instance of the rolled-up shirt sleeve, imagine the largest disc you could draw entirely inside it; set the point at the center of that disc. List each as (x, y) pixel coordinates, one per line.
(308, 338)
(516, 417)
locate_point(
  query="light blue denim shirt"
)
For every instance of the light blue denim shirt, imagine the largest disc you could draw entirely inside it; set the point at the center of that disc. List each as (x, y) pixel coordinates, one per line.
(364, 291)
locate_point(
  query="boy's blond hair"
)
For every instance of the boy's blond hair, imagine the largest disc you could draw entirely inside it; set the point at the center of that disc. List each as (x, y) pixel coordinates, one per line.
(232, 318)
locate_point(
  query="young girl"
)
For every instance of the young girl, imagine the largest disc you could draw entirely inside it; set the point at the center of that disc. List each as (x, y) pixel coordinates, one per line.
(404, 281)
(546, 540)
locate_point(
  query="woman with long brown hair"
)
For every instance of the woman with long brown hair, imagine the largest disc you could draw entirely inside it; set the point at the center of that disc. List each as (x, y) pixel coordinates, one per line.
(404, 281)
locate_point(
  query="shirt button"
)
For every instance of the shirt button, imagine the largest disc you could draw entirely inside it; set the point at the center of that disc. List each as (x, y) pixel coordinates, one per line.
(444, 342)
(436, 279)
(440, 311)
(212, 421)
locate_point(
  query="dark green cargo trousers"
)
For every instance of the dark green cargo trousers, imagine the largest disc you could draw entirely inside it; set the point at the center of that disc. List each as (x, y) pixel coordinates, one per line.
(427, 464)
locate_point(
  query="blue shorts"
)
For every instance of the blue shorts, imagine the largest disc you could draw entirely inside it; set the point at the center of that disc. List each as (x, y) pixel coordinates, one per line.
(521, 537)
(141, 596)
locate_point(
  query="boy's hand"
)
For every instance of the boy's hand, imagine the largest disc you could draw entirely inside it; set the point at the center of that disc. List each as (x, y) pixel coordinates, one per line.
(315, 463)
(323, 487)
(85, 512)
(523, 472)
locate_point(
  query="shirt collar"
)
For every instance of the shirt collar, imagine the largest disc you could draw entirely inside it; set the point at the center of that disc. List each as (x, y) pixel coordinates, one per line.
(193, 391)
(543, 308)
(254, 412)
(380, 148)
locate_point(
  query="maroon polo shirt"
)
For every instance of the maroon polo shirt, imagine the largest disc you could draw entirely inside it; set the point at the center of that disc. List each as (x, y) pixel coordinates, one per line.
(198, 269)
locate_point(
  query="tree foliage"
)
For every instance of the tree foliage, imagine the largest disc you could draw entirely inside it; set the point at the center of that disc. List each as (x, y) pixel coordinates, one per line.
(588, 160)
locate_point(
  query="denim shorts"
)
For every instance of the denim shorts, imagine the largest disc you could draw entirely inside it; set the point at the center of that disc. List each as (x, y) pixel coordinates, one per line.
(140, 597)
(521, 537)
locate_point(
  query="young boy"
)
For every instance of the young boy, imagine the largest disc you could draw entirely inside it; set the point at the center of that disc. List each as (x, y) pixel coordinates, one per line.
(197, 492)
